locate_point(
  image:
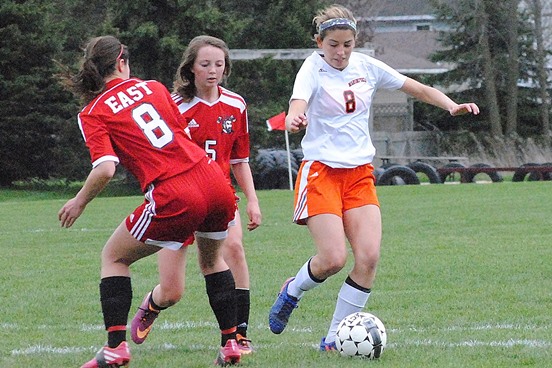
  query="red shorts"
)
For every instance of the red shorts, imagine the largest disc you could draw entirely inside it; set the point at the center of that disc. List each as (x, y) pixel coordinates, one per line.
(191, 239)
(198, 200)
(322, 189)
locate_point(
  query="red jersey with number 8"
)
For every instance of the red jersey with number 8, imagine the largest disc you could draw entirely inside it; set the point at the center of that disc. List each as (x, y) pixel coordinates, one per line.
(137, 123)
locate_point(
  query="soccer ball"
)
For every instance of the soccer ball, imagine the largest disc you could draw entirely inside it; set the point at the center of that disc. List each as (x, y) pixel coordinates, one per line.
(361, 334)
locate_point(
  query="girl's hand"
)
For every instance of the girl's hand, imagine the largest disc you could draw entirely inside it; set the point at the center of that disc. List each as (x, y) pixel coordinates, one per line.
(297, 123)
(465, 108)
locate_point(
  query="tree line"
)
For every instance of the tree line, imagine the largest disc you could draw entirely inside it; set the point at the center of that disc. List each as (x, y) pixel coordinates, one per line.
(498, 55)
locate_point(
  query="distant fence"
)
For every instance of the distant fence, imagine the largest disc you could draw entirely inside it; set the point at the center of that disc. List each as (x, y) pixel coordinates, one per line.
(405, 144)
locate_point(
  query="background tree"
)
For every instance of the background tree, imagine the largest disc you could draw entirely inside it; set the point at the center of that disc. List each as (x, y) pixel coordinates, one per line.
(489, 76)
(509, 8)
(541, 56)
(41, 138)
(157, 34)
(481, 54)
(33, 107)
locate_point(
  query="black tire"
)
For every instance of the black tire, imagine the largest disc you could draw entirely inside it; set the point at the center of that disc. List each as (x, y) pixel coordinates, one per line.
(388, 165)
(281, 159)
(398, 175)
(451, 176)
(427, 170)
(524, 172)
(271, 169)
(298, 154)
(377, 172)
(469, 176)
(547, 175)
(264, 163)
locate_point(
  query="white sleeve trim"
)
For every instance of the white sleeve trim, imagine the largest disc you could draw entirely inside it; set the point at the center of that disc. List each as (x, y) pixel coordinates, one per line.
(104, 159)
(239, 161)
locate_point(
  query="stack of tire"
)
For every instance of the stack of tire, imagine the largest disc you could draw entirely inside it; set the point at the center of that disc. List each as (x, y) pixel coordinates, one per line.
(469, 176)
(270, 168)
(270, 171)
(394, 174)
(524, 172)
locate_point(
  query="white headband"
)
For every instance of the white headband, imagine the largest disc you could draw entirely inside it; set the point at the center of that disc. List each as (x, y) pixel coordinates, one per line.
(337, 22)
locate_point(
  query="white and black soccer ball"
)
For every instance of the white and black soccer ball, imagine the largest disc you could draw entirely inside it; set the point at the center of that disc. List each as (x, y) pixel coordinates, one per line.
(361, 334)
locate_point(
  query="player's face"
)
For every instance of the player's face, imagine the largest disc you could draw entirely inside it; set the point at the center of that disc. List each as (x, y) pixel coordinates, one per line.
(337, 47)
(208, 67)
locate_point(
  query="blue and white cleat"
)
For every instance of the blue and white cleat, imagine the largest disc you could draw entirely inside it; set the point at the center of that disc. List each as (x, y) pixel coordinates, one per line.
(282, 308)
(330, 346)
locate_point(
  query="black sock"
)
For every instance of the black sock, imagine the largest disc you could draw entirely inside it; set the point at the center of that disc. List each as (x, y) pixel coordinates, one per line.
(313, 278)
(116, 298)
(221, 292)
(243, 302)
(153, 305)
(349, 281)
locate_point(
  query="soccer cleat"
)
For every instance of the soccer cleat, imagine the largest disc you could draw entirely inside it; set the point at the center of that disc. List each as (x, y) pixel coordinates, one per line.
(229, 354)
(110, 357)
(282, 308)
(330, 346)
(143, 321)
(244, 344)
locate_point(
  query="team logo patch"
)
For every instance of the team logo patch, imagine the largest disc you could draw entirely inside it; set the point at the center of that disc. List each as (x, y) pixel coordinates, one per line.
(227, 123)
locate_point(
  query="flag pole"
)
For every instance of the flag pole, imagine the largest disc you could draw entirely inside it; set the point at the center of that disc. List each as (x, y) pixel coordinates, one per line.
(278, 122)
(289, 161)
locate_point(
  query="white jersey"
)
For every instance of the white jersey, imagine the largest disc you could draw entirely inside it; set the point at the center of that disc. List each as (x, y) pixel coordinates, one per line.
(338, 110)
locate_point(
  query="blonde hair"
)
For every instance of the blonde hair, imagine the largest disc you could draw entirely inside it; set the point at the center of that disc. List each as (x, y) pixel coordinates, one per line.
(334, 11)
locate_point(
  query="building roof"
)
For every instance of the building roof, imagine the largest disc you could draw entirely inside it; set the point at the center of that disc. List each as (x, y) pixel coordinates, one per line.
(397, 39)
(408, 52)
(388, 8)
(398, 7)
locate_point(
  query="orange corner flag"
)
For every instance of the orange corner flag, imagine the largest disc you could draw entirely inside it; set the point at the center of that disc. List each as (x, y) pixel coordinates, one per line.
(277, 122)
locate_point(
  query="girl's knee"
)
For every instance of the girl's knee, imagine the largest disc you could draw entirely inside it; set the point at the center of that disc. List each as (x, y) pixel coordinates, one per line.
(332, 265)
(171, 296)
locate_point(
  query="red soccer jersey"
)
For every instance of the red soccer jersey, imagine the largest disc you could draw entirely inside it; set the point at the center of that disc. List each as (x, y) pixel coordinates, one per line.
(220, 128)
(136, 123)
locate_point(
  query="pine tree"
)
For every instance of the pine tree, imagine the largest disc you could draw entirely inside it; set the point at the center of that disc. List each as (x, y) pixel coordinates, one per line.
(33, 106)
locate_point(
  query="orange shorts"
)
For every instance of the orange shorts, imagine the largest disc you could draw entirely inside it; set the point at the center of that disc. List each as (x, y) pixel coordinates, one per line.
(322, 189)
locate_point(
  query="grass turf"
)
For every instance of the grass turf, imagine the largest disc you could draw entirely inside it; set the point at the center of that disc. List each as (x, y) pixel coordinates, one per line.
(464, 281)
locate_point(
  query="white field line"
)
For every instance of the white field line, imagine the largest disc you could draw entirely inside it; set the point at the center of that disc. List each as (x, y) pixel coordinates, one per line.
(480, 327)
(475, 343)
(64, 350)
(189, 325)
(55, 230)
(186, 325)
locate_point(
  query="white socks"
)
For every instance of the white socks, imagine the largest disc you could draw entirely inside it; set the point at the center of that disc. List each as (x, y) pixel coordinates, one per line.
(349, 300)
(302, 282)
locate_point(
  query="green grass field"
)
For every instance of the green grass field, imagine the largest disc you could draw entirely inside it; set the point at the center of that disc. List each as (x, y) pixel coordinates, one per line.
(465, 280)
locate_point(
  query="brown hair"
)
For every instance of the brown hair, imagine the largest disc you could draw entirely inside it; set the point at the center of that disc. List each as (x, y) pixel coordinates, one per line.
(331, 12)
(184, 82)
(99, 61)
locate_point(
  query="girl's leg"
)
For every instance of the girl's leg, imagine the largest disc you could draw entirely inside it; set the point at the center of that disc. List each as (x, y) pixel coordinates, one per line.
(220, 286)
(331, 256)
(120, 251)
(363, 229)
(234, 255)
